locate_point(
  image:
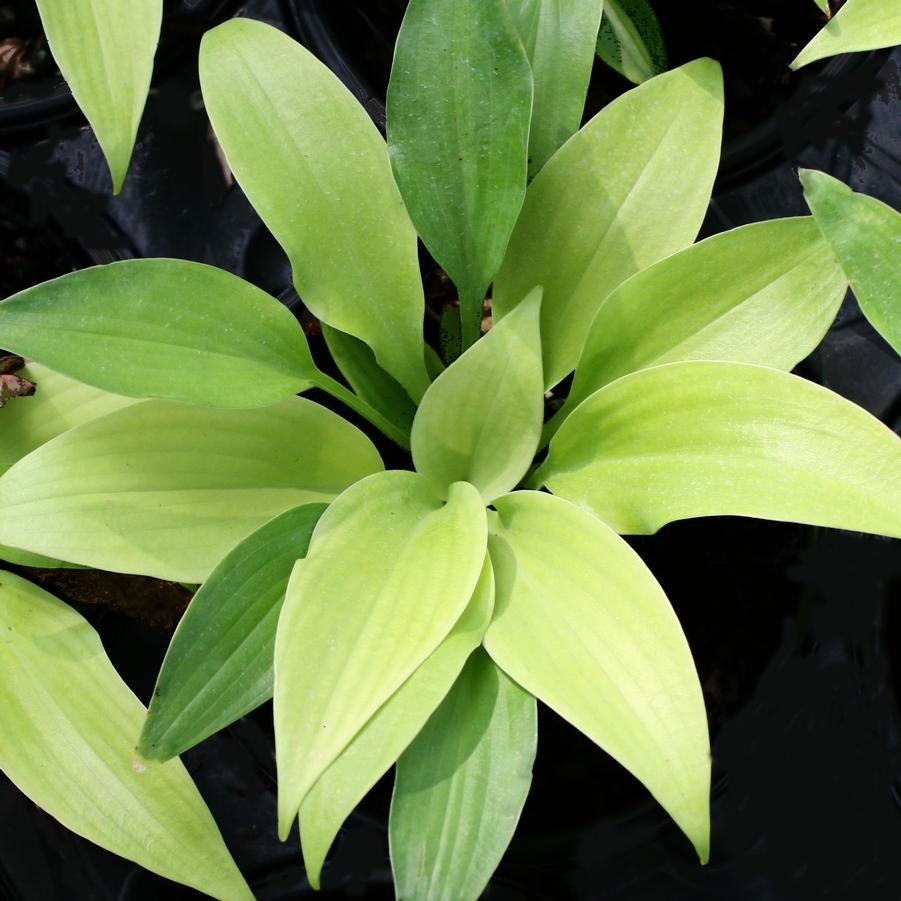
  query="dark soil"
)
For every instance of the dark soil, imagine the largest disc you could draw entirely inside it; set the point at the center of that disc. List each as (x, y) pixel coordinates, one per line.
(755, 40)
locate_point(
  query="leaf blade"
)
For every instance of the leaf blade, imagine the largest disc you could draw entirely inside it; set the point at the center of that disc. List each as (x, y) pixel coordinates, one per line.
(219, 663)
(283, 118)
(559, 38)
(631, 40)
(167, 329)
(859, 25)
(608, 655)
(459, 102)
(68, 746)
(345, 658)
(382, 740)
(865, 235)
(708, 438)
(615, 200)
(764, 293)
(461, 786)
(167, 490)
(459, 437)
(105, 52)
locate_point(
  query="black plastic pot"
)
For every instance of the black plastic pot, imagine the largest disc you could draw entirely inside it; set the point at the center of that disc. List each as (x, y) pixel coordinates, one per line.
(32, 105)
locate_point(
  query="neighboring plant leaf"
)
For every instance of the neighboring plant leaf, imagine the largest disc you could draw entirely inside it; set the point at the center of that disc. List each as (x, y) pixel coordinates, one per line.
(390, 569)
(459, 103)
(219, 663)
(58, 404)
(358, 365)
(581, 623)
(461, 786)
(105, 50)
(316, 170)
(480, 421)
(168, 329)
(612, 201)
(865, 235)
(24, 558)
(764, 293)
(631, 40)
(559, 37)
(167, 490)
(67, 742)
(384, 738)
(858, 25)
(726, 439)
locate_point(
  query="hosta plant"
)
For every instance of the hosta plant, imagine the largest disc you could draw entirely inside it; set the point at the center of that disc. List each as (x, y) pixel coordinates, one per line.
(413, 616)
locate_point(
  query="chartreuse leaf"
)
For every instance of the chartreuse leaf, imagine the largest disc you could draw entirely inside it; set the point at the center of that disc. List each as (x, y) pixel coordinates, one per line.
(382, 740)
(631, 40)
(219, 663)
(368, 380)
(858, 25)
(105, 50)
(59, 404)
(559, 37)
(162, 328)
(865, 235)
(390, 569)
(461, 786)
(316, 170)
(480, 421)
(726, 439)
(612, 201)
(163, 489)
(824, 6)
(67, 742)
(582, 624)
(764, 293)
(459, 103)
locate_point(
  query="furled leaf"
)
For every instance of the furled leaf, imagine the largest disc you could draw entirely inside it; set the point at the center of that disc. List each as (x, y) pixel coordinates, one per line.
(358, 365)
(614, 199)
(865, 235)
(764, 293)
(105, 49)
(316, 170)
(480, 421)
(390, 569)
(166, 490)
(59, 404)
(219, 664)
(162, 328)
(382, 740)
(459, 103)
(461, 786)
(858, 25)
(67, 742)
(726, 439)
(559, 37)
(582, 624)
(631, 40)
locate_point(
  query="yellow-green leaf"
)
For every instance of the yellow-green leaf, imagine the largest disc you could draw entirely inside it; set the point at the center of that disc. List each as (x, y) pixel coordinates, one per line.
(105, 50)
(169, 329)
(69, 724)
(316, 170)
(582, 624)
(614, 199)
(858, 25)
(382, 740)
(461, 786)
(391, 567)
(480, 420)
(167, 490)
(726, 439)
(865, 235)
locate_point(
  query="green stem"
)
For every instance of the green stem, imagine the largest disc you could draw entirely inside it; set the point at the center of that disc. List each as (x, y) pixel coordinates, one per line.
(471, 308)
(368, 412)
(551, 426)
(534, 478)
